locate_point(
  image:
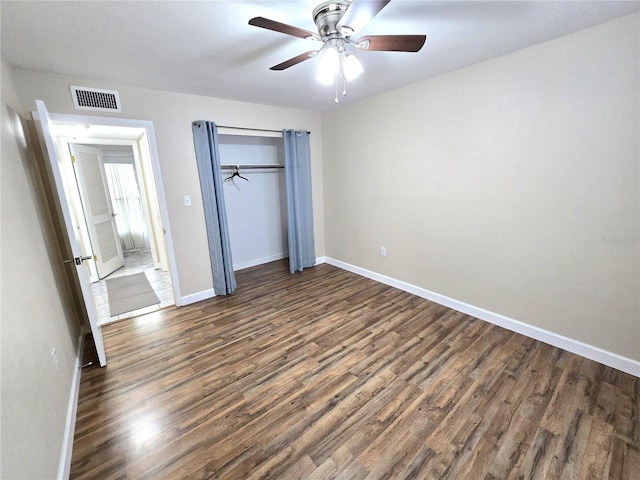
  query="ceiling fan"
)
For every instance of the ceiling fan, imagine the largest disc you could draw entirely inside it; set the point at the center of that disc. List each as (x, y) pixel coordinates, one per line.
(337, 21)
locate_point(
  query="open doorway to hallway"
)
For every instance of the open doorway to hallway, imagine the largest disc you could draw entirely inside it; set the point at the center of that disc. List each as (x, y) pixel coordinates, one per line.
(130, 241)
(123, 171)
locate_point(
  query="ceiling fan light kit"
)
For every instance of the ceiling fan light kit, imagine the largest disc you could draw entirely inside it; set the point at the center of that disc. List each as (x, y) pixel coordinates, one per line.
(351, 66)
(328, 66)
(337, 21)
(335, 59)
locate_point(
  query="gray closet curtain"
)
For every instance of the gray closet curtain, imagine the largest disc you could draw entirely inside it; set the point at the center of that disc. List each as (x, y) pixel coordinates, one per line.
(205, 139)
(297, 163)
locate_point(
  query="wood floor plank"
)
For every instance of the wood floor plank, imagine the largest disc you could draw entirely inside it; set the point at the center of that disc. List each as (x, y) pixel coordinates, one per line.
(596, 450)
(624, 461)
(569, 454)
(328, 375)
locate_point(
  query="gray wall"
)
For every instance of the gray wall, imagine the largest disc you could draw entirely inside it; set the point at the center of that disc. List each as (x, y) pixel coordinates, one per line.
(511, 185)
(37, 311)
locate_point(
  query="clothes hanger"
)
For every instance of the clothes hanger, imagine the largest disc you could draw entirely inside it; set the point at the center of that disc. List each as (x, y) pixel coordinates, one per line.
(236, 173)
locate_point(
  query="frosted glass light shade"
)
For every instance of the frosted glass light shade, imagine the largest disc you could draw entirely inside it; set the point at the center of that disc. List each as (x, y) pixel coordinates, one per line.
(351, 67)
(328, 66)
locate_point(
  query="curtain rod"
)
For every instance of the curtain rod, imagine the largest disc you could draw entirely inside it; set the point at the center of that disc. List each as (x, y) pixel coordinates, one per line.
(253, 129)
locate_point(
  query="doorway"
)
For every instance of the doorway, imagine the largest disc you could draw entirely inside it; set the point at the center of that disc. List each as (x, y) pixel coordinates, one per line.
(127, 194)
(126, 151)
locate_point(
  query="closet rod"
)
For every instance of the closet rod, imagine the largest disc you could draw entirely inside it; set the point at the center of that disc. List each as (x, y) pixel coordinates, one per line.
(254, 129)
(250, 167)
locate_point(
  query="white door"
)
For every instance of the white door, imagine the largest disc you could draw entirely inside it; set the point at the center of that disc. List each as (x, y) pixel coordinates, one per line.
(97, 207)
(78, 256)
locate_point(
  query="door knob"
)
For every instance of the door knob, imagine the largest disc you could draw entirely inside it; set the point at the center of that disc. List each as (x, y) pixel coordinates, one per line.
(78, 260)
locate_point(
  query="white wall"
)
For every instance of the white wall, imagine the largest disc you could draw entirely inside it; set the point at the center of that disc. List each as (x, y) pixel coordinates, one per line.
(37, 311)
(511, 185)
(172, 115)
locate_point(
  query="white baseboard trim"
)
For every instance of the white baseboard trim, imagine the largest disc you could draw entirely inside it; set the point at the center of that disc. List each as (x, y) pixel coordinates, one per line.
(195, 297)
(259, 261)
(591, 352)
(64, 467)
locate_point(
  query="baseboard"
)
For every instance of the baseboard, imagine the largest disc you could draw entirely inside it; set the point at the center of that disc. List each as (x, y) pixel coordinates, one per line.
(64, 467)
(591, 352)
(259, 261)
(195, 297)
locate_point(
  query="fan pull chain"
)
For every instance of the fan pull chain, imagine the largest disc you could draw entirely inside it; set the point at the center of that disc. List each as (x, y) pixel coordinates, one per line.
(344, 87)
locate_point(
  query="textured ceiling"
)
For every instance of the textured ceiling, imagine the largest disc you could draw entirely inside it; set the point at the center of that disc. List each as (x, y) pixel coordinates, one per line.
(207, 48)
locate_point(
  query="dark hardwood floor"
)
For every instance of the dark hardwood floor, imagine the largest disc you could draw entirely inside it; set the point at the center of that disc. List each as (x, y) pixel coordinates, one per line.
(328, 375)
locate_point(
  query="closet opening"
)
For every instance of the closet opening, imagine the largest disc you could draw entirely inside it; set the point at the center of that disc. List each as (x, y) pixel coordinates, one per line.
(256, 205)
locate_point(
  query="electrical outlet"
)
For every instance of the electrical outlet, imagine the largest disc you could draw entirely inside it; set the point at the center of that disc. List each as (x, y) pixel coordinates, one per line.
(383, 251)
(187, 200)
(54, 356)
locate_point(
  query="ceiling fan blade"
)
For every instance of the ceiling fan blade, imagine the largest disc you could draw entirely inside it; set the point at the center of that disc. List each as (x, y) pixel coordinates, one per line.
(295, 60)
(359, 13)
(392, 43)
(281, 27)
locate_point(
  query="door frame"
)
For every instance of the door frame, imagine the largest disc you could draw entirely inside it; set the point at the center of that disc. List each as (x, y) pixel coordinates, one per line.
(150, 140)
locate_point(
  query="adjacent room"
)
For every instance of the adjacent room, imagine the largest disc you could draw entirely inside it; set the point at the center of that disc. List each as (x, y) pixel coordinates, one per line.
(343, 239)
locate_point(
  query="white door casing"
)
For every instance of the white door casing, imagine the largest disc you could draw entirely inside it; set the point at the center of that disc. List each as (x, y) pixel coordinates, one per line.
(78, 255)
(97, 207)
(145, 141)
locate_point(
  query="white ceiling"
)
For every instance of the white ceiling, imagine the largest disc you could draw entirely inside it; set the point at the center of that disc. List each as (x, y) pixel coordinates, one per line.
(207, 47)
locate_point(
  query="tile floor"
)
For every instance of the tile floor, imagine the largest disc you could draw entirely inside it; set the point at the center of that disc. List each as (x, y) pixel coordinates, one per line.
(134, 262)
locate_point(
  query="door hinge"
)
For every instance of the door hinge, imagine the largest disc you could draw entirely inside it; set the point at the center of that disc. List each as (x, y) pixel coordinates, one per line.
(73, 159)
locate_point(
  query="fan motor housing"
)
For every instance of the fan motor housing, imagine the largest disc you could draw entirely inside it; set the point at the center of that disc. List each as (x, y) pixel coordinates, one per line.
(327, 15)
